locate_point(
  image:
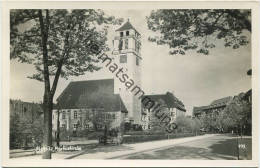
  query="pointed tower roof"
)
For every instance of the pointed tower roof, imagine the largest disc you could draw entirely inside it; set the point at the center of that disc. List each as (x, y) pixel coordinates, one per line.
(127, 26)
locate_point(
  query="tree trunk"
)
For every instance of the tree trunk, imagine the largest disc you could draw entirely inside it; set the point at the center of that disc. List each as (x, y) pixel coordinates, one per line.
(58, 128)
(47, 136)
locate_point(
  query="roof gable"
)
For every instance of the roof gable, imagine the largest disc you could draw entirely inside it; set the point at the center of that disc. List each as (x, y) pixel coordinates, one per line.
(223, 101)
(91, 94)
(169, 99)
(127, 26)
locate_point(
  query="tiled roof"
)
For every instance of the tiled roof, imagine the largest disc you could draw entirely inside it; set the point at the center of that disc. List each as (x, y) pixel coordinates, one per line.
(199, 109)
(91, 94)
(222, 101)
(127, 26)
(215, 104)
(169, 99)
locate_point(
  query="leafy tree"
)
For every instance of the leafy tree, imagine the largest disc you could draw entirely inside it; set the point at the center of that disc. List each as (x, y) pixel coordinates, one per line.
(197, 29)
(205, 121)
(195, 125)
(15, 132)
(102, 121)
(159, 117)
(209, 121)
(23, 129)
(184, 123)
(59, 43)
(237, 114)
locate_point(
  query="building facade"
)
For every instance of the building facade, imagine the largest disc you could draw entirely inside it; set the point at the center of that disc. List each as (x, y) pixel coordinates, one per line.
(83, 101)
(213, 109)
(127, 54)
(173, 107)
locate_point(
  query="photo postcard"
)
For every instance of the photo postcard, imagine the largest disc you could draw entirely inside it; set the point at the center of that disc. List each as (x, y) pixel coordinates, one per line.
(149, 83)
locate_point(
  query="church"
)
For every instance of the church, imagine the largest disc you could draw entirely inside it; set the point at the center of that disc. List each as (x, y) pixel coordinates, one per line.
(82, 100)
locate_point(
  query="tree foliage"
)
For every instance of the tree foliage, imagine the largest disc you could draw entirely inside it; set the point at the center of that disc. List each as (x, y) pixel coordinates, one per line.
(198, 29)
(22, 130)
(59, 43)
(74, 38)
(236, 114)
(186, 124)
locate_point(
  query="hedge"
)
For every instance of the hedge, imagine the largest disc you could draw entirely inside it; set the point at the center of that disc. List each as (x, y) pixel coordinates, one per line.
(145, 133)
(144, 138)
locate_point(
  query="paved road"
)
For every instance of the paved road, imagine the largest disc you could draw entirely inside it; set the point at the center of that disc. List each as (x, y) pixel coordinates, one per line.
(210, 147)
(125, 150)
(218, 147)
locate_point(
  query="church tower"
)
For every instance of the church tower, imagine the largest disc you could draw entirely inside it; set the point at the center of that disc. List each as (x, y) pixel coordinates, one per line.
(126, 52)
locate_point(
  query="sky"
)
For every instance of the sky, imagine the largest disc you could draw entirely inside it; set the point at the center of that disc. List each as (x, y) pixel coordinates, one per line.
(193, 78)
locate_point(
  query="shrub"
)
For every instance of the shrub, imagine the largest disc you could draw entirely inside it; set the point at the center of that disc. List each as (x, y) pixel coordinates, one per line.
(95, 135)
(145, 133)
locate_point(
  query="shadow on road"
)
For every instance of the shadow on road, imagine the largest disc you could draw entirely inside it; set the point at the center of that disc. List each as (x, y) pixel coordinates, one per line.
(229, 147)
(180, 152)
(106, 148)
(217, 149)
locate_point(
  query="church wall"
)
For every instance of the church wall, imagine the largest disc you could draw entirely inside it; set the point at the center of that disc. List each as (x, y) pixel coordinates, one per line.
(83, 118)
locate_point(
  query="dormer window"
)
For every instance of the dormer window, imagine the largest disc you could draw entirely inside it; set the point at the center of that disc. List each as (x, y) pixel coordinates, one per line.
(121, 34)
(127, 33)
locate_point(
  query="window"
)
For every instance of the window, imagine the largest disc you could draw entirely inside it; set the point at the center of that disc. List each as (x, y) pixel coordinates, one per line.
(113, 116)
(87, 126)
(75, 116)
(143, 117)
(120, 45)
(63, 125)
(121, 34)
(149, 126)
(108, 116)
(137, 46)
(144, 127)
(137, 61)
(123, 58)
(126, 43)
(63, 116)
(75, 125)
(127, 33)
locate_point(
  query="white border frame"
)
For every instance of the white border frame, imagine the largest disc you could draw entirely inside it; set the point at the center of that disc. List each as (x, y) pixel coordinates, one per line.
(254, 5)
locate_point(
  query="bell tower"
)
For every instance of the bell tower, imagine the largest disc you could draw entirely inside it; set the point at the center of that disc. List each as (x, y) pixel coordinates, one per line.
(127, 55)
